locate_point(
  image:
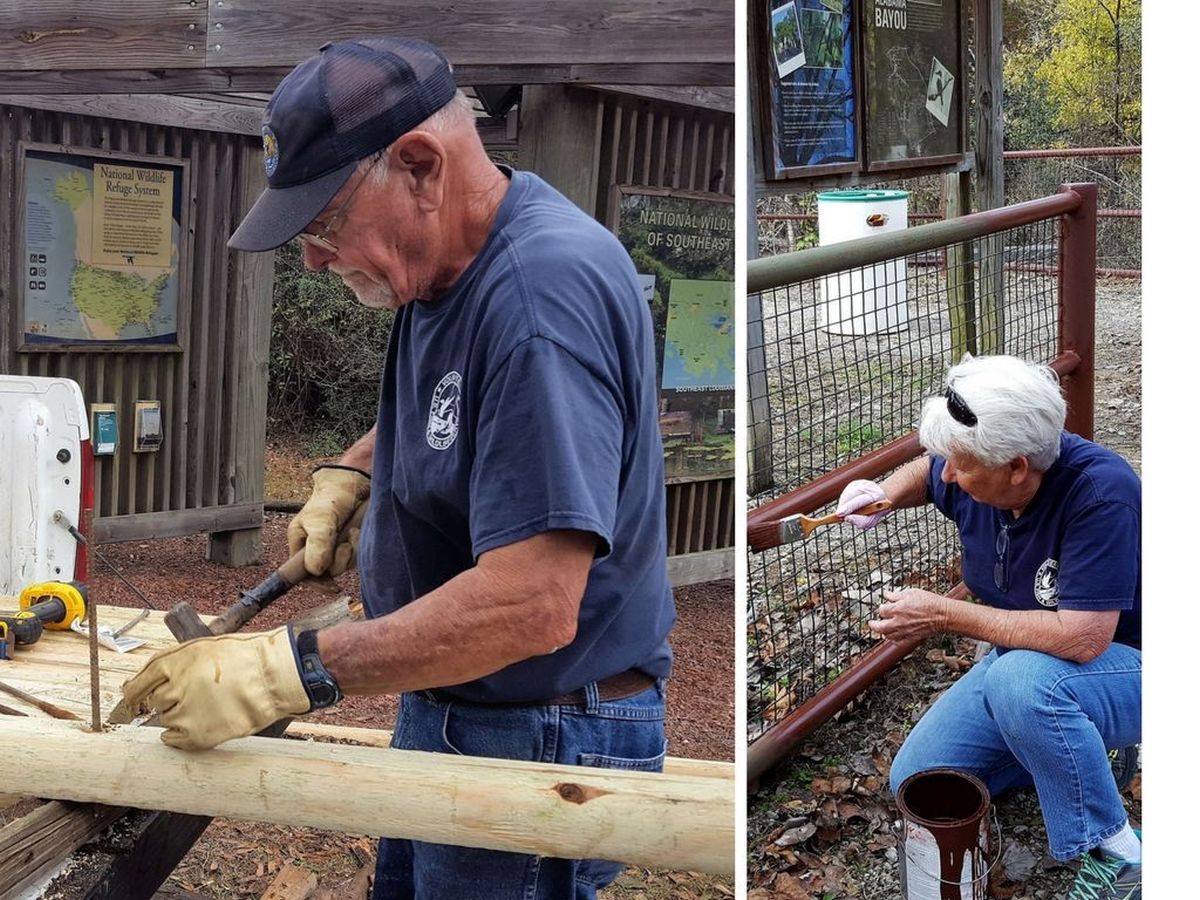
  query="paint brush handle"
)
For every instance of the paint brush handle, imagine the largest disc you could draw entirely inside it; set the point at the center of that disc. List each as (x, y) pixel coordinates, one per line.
(810, 524)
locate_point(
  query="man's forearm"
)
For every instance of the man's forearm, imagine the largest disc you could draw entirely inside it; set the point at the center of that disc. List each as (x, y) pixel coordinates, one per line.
(478, 622)
(906, 486)
(361, 452)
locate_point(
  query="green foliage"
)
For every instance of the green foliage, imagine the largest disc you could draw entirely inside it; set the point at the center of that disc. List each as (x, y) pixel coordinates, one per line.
(1072, 72)
(327, 353)
(855, 436)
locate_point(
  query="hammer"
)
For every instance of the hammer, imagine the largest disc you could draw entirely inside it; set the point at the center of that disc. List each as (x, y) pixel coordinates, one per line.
(185, 624)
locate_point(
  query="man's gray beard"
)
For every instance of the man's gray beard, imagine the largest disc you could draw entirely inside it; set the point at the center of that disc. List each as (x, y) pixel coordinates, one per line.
(373, 294)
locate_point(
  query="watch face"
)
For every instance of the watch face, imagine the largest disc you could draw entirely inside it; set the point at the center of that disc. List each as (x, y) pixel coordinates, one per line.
(322, 693)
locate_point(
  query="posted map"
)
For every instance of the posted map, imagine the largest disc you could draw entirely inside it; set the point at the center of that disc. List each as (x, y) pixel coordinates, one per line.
(698, 349)
(99, 268)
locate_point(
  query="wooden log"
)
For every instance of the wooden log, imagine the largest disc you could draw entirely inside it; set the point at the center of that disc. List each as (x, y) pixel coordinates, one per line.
(648, 819)
(379, 737)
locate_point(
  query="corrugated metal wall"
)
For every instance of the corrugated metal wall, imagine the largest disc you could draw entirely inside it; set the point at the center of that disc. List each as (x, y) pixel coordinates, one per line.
(655, 144)
(202, 401)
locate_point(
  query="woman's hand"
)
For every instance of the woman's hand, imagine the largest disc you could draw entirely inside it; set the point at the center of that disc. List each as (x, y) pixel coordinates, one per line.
(910, 615)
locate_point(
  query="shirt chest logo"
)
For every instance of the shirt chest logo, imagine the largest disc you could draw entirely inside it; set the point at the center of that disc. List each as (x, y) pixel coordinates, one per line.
(1045, 583)
(442, 428)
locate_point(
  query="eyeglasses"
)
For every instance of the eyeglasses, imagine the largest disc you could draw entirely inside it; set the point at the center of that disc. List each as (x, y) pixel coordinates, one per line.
(321, 240)
(1000, 570)
(958, 409)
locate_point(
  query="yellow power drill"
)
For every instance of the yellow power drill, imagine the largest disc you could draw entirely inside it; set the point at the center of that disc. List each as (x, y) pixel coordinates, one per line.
(48, 604)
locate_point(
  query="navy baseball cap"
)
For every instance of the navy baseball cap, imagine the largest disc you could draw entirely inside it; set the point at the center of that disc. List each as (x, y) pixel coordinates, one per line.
(331, 111)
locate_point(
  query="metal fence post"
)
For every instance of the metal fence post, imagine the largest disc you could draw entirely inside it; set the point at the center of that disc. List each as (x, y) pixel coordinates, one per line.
(1077, 316)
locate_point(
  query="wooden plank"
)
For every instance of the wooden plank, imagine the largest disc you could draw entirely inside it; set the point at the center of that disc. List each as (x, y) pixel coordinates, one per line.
(292, 883)
(158, 109)
(655, 820)
(960, 271)
(33, 845)
(707, 98)
(695, 568)
(253, 276)
(59, 34)
(176, 522)
(380, 737)
(558, 140)
(989, 169)
(474, 32)
(189, 81)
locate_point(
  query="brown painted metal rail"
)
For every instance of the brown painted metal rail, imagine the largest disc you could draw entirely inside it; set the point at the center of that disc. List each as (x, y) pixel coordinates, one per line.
(802, 265)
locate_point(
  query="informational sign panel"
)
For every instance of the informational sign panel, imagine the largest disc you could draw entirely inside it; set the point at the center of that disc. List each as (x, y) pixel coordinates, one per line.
(809, 75)
(682, 246)
(914, 82)
(101, 249)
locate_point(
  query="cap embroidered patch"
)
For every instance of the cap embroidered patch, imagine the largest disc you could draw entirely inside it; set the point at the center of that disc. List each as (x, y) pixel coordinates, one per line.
(270, 151)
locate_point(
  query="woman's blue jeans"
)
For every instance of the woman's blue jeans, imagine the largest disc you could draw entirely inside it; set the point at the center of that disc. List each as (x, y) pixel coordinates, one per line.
(618, 734)
(1023, 717)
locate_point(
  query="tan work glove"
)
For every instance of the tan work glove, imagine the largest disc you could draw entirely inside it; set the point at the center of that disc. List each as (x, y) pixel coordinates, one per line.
(214, 689)
(339, 499)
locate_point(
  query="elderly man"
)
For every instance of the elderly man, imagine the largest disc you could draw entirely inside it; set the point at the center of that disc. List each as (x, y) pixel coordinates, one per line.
(1050, 528)
(512, 551)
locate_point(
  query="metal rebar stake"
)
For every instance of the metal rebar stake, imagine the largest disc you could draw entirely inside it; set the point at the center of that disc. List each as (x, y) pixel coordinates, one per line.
(94, 665)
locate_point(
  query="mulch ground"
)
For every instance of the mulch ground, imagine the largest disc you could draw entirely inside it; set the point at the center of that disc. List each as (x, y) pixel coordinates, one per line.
(239, 860)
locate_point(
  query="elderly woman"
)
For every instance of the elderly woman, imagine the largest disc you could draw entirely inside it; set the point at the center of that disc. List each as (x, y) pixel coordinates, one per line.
(1050, 528)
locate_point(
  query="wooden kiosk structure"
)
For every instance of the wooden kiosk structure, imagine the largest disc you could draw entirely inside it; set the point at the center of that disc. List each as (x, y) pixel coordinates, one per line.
(139, 87)
(181, 86)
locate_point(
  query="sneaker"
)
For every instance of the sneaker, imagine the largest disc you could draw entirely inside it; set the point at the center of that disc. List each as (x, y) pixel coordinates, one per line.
(1124, 762)
(1104, 878)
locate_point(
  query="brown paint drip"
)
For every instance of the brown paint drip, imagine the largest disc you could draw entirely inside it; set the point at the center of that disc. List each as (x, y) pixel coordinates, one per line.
(952, 806)
(578, 793)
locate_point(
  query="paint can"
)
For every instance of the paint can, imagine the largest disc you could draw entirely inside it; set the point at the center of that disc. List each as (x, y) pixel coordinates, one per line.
(945, 839)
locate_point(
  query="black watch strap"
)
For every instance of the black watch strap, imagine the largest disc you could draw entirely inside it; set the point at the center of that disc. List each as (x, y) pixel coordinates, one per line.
(321, 687)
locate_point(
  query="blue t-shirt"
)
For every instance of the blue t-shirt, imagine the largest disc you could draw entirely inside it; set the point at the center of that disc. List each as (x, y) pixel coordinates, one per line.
(522, 401)
(1077, 545)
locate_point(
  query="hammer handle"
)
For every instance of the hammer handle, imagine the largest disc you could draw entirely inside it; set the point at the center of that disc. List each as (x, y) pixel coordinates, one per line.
(185, 624)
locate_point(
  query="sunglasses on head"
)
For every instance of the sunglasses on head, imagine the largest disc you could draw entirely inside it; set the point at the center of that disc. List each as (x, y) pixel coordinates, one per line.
(958, 409)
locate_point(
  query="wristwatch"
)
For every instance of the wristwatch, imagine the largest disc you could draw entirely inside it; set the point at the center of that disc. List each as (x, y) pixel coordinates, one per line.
(320, 686)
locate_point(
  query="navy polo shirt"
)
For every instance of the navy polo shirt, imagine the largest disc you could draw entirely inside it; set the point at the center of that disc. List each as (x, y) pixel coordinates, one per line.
(1076, 546)
(523, 401)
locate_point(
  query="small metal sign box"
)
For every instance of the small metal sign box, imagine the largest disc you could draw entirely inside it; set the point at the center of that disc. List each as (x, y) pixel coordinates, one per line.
(147, 426)
(104, 429)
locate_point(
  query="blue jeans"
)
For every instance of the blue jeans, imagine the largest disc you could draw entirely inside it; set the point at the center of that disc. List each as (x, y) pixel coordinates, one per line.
(617, 734)
(1024, 717)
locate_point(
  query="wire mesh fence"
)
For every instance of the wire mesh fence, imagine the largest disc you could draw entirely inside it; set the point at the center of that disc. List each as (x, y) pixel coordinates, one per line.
(847, 361)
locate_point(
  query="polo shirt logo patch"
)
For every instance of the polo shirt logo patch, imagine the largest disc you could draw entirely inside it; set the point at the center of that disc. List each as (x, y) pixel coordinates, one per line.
(1045, 583)
(442, 429)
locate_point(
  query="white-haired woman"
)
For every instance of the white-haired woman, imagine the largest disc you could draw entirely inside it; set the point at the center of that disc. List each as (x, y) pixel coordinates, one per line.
(1050, 527)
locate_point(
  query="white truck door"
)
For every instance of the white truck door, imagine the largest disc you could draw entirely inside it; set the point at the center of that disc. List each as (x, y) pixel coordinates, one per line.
(45, 466)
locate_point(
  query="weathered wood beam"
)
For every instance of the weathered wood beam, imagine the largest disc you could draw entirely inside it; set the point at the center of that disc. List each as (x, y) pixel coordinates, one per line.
(60, 46)
(661, 821)
(173, 523)
(33, 845)
(153, 109)
(222, 80)
(379, 737)
(212, 112)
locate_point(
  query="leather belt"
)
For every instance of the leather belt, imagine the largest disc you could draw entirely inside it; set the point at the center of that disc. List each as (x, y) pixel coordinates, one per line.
(615, 687)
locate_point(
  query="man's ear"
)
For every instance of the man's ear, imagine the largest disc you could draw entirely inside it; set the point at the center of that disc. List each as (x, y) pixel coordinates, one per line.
(420, 159)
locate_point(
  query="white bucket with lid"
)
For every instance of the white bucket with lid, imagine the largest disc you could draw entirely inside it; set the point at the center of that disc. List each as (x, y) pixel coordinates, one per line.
(872, 299)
